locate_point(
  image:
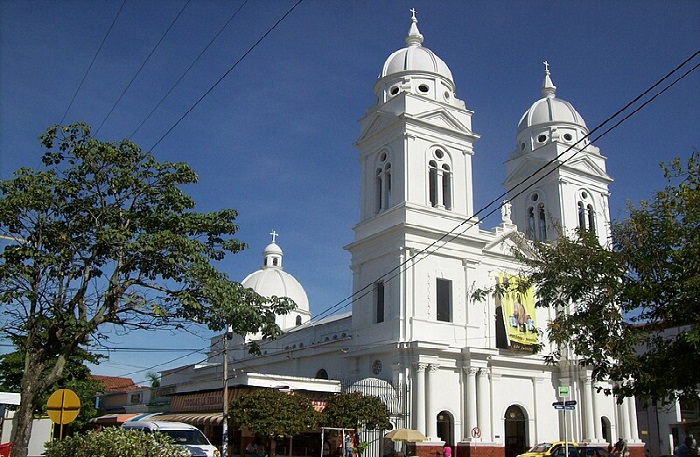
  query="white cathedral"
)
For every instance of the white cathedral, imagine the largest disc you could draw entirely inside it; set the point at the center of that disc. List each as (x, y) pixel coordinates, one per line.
(449, 366)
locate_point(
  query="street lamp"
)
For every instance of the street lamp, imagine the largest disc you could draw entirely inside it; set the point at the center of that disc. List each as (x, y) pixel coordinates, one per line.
(224, 425)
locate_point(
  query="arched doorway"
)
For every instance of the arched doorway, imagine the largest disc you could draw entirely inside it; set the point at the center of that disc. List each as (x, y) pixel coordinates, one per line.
(445, 429)
(606, 429)
(515, 431)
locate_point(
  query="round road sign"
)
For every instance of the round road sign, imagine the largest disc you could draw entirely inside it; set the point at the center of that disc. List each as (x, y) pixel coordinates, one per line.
(63, 406)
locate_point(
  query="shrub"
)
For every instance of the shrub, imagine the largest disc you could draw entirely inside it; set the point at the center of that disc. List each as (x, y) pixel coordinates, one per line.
(116, 442)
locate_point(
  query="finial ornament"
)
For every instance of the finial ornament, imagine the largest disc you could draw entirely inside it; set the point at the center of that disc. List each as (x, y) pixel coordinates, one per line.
(414, 38)
(274, 235)
(548, 87)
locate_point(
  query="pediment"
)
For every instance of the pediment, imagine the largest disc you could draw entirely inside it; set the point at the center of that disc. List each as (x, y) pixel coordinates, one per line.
(444, 119)
(508, 242)
(588, 166)
(528, 166)
(378, 122)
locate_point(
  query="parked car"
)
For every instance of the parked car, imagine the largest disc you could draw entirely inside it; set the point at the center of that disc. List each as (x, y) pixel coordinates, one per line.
(553, 449)
(183, 434)
(592, 451)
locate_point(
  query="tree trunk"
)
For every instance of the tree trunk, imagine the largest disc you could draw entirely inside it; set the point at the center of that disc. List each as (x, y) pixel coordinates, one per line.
(25, 412)
(22, 431)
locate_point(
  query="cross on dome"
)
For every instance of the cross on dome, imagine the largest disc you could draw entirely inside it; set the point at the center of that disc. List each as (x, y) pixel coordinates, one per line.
(274, 235)
(414, 38)
(548, 87)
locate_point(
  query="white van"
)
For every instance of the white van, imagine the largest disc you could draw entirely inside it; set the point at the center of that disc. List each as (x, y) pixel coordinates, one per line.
(183, 434)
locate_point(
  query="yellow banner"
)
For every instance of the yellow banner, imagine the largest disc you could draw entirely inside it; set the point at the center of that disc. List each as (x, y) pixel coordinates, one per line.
(519, 314)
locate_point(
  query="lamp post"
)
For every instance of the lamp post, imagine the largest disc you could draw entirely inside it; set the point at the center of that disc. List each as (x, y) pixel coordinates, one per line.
(224, 424)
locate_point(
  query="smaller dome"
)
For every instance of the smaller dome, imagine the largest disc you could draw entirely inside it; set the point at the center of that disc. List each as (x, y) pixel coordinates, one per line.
(550, 110)
(414, 57)
(271, 279)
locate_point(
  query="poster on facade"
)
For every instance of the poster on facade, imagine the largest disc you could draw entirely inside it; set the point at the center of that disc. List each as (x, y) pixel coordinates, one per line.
(519, 315)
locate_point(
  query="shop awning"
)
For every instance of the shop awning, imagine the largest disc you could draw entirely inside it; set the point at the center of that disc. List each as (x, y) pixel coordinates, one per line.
(111, 419)
(118, 419)
(193, 418)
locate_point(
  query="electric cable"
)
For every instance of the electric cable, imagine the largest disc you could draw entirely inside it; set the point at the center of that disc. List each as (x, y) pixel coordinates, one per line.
(92, 62)
(235, 13)
(143, 64)
(245, 54)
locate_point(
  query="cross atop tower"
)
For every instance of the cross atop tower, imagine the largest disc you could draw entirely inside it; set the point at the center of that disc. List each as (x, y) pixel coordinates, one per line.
(274, 235)
(413, 13)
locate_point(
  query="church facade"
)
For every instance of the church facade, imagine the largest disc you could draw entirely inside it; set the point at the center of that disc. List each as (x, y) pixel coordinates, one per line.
(460, 370)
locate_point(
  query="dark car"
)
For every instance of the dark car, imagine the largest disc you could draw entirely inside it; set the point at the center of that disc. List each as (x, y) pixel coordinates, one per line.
(592, 451)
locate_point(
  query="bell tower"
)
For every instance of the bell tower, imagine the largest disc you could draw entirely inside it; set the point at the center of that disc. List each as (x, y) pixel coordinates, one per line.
(556, 179)
(415, 154)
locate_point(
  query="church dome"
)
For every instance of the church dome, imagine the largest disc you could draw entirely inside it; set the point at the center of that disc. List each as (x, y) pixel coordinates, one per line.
(416, 70)
(550, 120)
(415, 57)
(550, 109)
(271, 279)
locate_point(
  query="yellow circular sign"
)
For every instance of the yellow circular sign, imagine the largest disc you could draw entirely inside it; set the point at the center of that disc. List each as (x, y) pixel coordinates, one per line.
(63, 406)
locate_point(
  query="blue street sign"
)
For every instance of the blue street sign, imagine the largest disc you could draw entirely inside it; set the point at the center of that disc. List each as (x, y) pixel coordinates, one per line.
(569, 408)
(558, 406)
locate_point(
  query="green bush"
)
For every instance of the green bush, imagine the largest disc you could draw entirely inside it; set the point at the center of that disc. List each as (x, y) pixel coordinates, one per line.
(116, 442)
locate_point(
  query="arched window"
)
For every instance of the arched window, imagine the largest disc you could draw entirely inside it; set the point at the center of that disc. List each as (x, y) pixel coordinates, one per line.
(531, 223)
(586, 212)
(433, 178)
(298, 321)
(321, 374)
(581, 216)
(542, 223)
(383, 183)
(440, 181)
(379, 190)
(387, 185)
(591, 218)
(446, 186)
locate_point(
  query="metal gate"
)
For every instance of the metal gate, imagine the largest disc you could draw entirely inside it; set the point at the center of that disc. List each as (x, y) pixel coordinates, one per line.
(395, 397)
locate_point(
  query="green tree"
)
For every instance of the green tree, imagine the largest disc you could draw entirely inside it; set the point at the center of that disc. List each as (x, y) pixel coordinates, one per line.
(630, 310)
(75, 377)
(271, 413)
(153, 378)
(116, 442)
(103, 237)
(355, 410)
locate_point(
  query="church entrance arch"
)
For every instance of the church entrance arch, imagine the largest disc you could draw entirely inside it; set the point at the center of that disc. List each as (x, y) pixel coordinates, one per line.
(515, 427)
(445, 427)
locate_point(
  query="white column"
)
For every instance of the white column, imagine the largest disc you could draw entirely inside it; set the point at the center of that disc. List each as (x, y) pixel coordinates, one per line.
(431, 415)
(483, 404)
(419, 396)
(632, 415)
(597, 423)
(623, 429)
(471, 401)
(587, 407)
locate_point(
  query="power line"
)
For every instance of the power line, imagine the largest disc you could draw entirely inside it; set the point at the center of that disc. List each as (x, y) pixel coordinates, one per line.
(235, 13)
(143, 64)
(225, 74)
(471, 221)
(93, 61)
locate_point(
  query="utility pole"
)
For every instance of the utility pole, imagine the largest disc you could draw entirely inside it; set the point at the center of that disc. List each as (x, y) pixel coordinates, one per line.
(224, 424)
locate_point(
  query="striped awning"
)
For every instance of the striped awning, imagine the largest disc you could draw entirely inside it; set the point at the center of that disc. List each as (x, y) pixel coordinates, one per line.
(111, 419)
(118, 419)
(194, 418)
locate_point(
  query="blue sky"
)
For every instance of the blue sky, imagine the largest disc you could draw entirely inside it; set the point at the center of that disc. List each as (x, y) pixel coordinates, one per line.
(274, 138)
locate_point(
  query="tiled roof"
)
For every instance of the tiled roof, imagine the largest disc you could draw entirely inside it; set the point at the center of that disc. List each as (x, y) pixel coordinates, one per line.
(115, 384)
